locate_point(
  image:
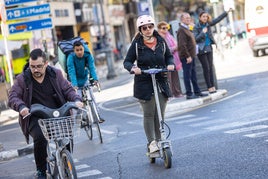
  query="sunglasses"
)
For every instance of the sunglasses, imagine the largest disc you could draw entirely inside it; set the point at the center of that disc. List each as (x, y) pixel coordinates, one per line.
(164, 28)
(147, 27)
(37, 67)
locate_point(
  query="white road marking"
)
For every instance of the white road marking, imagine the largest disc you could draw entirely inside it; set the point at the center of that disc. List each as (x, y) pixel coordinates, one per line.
(259, 134)
(88, 173)
(180, 117)
(234, 124)
(212, 121)
(246, 129)
(80, 167)
(191, 120)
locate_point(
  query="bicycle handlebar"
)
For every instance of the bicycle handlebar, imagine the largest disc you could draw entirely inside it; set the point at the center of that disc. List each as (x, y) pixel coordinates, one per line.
(153, 71)
(46, 112)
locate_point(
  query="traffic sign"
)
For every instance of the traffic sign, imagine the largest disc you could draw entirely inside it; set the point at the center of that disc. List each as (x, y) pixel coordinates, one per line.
(15, 2)
(23, 12)
(30, 25)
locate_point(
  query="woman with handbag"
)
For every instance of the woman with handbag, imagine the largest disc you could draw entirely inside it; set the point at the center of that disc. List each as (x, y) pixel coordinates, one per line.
(204, 39)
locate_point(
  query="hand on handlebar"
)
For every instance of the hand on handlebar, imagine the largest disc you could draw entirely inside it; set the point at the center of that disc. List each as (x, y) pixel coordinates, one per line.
(79, 104)
(135, 70)
(25, 112)
(170, 67)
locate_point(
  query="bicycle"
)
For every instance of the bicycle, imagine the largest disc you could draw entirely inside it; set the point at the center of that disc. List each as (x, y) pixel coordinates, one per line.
(90, 107)
(58, 128)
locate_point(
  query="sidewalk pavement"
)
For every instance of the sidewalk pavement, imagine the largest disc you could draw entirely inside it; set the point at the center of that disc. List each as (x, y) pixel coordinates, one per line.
(175, 104)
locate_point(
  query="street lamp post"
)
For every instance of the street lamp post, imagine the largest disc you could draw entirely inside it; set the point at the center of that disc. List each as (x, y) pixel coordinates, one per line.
(107, 48)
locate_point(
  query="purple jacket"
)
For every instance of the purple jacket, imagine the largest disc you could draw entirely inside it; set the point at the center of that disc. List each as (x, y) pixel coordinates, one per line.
(20, 95)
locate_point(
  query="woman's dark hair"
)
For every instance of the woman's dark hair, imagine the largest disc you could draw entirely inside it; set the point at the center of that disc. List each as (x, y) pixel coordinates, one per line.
(38, 53)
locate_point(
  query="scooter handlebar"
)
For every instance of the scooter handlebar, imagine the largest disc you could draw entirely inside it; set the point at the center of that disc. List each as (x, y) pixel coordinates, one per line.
(153, 71)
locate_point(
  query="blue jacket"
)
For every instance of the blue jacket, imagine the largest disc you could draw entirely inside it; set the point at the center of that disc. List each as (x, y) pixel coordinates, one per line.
(78, 69)
(200, 37)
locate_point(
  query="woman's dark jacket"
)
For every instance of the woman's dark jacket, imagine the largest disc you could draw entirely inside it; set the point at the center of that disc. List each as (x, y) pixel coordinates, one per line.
(200, 35)
(20, 95)
(147, 58)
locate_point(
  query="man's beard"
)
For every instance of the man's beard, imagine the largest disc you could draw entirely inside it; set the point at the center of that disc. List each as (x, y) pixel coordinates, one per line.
(37, 74)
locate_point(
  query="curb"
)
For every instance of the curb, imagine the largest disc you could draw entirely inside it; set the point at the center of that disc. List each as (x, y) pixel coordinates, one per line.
(7, 155)
(192, 103)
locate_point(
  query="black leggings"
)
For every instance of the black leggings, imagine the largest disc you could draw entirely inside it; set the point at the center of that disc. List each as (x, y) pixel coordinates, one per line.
(40, 144)
(206, 61)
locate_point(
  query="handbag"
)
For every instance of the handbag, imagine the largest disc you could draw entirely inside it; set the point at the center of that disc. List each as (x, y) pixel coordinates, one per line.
(206, 49)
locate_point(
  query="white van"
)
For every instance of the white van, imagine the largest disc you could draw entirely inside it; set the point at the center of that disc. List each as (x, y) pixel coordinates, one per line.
(256, 19)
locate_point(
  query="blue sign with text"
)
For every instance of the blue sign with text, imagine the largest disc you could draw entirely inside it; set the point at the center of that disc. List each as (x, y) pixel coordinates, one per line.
(27, 11)
(30, 26)
(14, 2)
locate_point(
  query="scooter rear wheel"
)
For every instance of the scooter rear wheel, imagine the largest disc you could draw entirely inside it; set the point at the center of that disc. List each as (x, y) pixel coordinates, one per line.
(167, 157)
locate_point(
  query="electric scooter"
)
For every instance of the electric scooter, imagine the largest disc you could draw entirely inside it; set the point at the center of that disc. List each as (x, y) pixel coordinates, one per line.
(164, 145)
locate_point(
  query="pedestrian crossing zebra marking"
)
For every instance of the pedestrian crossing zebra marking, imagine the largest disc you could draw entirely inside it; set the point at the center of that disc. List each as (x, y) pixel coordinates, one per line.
(191, 120)
(246, 129)
(258, 134)
(235, 124)
(88, 173)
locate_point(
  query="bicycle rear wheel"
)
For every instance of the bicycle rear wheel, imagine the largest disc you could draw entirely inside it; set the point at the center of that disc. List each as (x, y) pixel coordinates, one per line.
(96, 119)
(68, 170)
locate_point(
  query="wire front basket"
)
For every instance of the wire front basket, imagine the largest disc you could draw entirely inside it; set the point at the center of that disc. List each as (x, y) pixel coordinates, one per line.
(61, 127)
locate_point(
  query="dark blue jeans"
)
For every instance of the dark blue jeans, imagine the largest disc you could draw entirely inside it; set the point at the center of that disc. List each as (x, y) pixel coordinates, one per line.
(189, 76)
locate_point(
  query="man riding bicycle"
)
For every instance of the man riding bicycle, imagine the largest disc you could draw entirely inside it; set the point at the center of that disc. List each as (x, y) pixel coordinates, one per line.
(80, 65)
(39, 84)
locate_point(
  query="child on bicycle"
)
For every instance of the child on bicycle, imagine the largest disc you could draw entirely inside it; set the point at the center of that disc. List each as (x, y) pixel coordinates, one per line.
(80, 65)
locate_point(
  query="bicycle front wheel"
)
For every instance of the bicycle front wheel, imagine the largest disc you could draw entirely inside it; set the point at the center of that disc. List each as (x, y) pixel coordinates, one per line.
(68, 170)
(87, 124)
(96, 118)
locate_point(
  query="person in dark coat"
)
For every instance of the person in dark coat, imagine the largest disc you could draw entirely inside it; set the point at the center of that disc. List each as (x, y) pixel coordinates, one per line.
(187, 53)
(39, 84)
(204, 39)
(149, 50)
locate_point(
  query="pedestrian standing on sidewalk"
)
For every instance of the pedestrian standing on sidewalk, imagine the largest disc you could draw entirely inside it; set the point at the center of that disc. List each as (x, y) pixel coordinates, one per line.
(187, 53)
(39, 83)
(174, 83)
(148, 50)
(204, 39)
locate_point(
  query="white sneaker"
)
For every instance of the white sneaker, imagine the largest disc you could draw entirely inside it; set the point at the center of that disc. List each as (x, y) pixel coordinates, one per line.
(153, 146)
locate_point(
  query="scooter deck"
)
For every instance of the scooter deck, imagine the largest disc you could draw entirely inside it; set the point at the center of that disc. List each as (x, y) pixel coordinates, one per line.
(154, 154)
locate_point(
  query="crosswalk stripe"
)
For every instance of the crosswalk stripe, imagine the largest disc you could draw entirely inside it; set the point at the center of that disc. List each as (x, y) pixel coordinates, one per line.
(80, 167)
(180, 117)
(234, 124)
(212, 121)
(191, 120)
(88, 173)
(259, 134)
(246, 129)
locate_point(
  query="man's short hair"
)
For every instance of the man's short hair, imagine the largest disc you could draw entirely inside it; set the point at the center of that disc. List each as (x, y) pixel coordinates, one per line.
(38, 53)
(77, 44)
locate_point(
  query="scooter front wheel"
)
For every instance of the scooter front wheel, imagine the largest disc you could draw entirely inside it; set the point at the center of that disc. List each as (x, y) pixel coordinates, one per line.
(152, 160)
(167, 157)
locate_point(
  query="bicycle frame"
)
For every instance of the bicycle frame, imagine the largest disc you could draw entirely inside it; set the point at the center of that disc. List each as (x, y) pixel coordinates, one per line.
(91, 111)
(58, 129)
